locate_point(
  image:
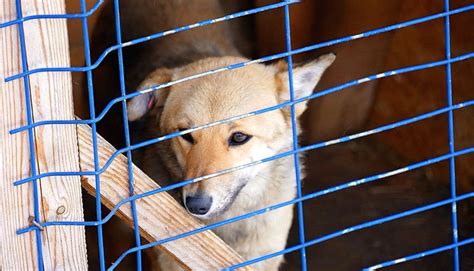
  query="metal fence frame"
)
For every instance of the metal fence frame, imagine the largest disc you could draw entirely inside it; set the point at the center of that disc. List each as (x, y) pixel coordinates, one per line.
(95, 118)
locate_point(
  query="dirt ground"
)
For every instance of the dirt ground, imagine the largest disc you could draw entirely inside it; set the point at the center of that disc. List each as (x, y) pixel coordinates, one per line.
(356, 250)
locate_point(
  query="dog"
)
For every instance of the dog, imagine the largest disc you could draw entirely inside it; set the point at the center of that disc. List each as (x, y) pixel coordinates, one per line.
(212, 98)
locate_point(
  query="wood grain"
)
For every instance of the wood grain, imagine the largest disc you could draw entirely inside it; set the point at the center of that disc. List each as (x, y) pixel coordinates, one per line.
(16, 252)
(159, 215)
(46, 41)
(56, 146)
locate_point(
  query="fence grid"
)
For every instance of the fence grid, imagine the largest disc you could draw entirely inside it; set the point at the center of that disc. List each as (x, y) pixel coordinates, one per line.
(90, 65)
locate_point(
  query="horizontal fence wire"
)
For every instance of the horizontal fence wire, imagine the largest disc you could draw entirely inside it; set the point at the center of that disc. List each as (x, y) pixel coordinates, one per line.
(250, 114)
(422, 254)
(148, 38)
(281, 155)
(95, 118)
(23, 19)
(230, 67)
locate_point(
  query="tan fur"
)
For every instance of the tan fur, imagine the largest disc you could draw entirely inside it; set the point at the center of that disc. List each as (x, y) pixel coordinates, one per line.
(213, 98)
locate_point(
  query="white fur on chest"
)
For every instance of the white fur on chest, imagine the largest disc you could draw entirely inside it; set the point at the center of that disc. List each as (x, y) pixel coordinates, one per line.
(265, 233)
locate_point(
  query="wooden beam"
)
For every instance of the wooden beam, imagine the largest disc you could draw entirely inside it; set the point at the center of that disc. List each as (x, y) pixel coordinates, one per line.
(16, 251)
(159, 215)
(56, 146)
(64, 248)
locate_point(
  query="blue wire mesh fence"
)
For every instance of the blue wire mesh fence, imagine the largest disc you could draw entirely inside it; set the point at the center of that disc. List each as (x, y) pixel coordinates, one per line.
(96, 117)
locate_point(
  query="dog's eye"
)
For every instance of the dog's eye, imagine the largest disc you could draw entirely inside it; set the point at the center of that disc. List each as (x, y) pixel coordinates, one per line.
(238, 138)
(187, 137)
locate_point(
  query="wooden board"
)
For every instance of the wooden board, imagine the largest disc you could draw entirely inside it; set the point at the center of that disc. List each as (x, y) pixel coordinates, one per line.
(15, 202)
(64, 248)
(159, 215)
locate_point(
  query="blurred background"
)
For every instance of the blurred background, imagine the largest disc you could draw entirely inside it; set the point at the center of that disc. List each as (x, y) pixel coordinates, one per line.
(356, 109)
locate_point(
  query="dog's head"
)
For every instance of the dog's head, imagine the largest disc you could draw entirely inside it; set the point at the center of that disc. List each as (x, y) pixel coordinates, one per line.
(220, 96)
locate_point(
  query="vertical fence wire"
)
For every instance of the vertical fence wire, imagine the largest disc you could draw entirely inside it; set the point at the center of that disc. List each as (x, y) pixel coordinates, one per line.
(452, 164)
(136, 228)
(294, 130)
(31, 137)
(90, 90)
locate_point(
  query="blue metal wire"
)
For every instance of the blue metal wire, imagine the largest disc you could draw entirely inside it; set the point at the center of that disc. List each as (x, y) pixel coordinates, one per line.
(421, 254)
(306, 197)
(315, 195)
(230, 67)
(151, 37)
(136, 230)
(31, 137)
(356, 228)
(240, 14)
(90, 89)
(452, 165)
(94, 119)
(54, 16)
(294, 132)
(271, 158)
(257, 112)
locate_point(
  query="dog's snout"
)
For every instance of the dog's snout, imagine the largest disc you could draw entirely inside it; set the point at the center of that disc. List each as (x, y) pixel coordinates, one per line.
(199, 205)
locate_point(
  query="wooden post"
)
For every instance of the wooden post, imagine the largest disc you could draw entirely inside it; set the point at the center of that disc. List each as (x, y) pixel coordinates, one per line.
(15, 202)
(64, 248)
(159, 215)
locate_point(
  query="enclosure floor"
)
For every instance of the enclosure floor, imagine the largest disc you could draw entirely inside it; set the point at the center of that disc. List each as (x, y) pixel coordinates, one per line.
(341, 163)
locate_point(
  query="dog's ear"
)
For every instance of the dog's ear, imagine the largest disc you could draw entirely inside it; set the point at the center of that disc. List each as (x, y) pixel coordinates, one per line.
(305, 79)
(138, 106)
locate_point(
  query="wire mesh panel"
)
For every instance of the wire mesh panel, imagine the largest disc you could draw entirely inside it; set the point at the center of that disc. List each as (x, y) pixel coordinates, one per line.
(96, 117)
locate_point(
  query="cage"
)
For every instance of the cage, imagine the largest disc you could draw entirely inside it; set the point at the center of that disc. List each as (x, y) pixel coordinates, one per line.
(388, 140)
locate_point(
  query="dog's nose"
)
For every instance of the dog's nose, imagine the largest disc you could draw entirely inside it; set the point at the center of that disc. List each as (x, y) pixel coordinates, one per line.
(198, 205)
